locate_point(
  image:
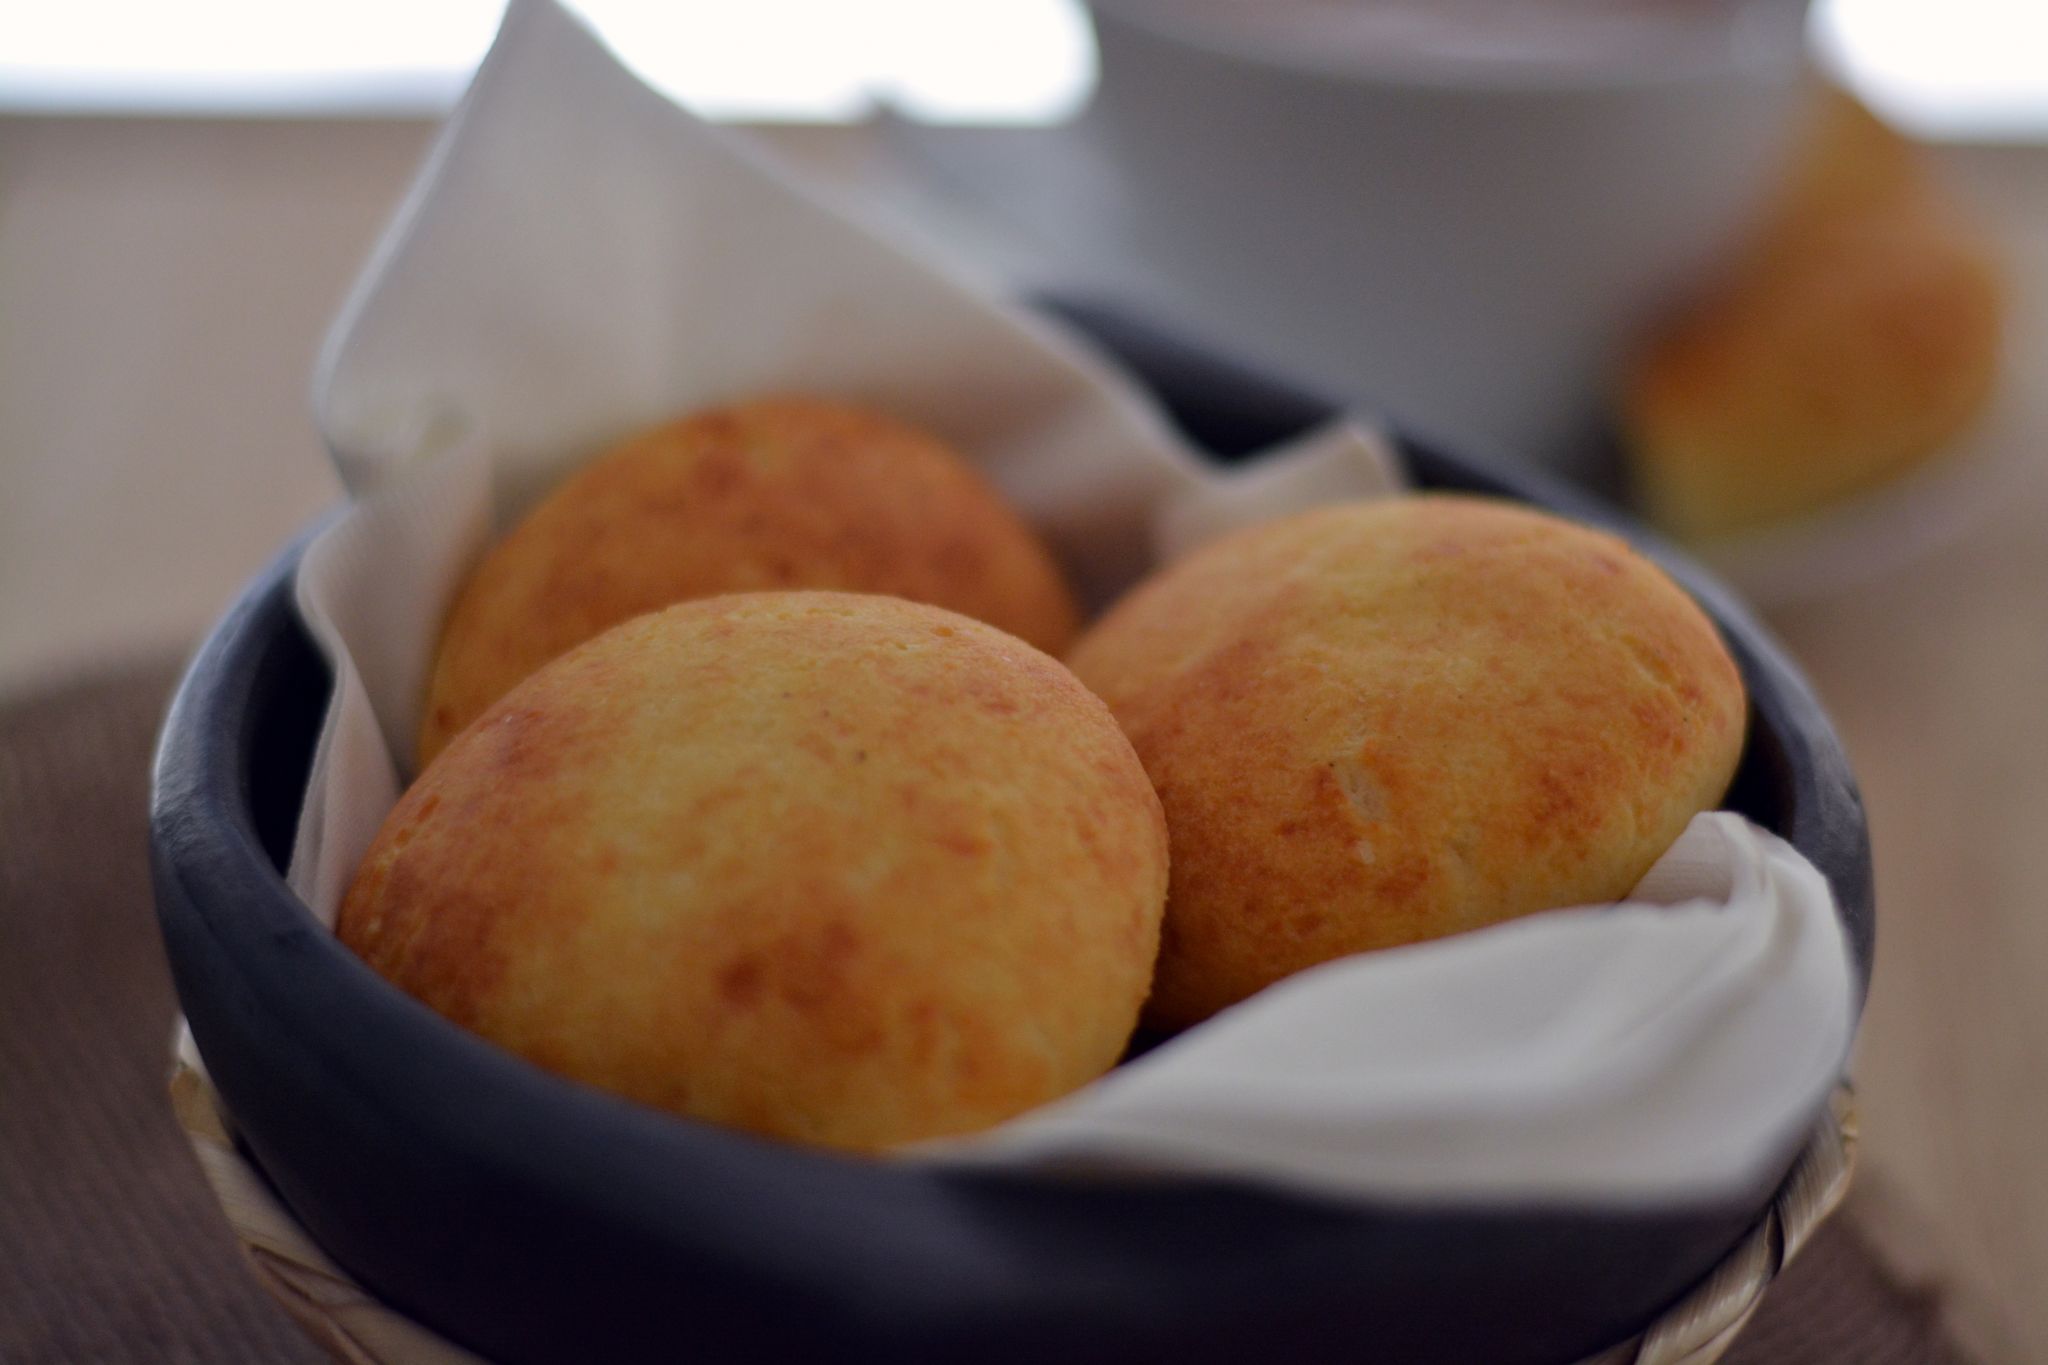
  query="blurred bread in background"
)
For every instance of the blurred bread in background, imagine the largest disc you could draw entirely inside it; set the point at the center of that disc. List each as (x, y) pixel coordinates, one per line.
(1848, 160)
(777, 493)
(1856, 336)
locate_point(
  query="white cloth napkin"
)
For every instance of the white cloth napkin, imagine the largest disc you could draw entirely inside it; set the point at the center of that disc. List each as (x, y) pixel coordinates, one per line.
(580, 258)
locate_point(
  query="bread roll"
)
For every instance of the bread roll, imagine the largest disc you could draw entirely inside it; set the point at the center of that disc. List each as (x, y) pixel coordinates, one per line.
(1857, 337)
(776, 493)
(1377, 723)
(831, 868)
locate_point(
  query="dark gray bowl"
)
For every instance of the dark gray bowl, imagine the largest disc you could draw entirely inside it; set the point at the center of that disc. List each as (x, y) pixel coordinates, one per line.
(533, 1219)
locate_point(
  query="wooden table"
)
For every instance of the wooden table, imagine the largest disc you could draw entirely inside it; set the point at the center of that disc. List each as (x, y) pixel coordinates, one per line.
(1938, 677)
(163, 285)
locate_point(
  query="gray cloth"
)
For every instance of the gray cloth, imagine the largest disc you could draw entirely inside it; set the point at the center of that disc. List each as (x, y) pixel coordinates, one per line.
(111, 1248)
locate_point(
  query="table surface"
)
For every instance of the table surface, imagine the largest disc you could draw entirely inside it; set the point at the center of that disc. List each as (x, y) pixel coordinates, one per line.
(163, 285)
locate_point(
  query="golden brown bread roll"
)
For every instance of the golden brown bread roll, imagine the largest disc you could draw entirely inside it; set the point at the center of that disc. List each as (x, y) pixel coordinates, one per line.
(1857, 337)
(775, 493)
(1382, 722)
(1848, 161)
(835, 868)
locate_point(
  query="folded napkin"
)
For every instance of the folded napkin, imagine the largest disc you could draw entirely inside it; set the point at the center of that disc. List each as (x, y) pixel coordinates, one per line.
(580, 258)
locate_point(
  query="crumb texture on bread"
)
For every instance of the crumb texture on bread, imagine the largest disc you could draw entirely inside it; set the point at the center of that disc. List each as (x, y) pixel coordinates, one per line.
(1377, 723)
(776, 493)
(833, 868)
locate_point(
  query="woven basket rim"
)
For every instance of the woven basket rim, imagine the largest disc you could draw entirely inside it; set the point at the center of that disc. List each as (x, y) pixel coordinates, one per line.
(356, 1327)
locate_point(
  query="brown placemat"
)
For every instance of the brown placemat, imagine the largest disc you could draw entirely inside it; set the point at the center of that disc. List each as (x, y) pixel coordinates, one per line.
(111, 1247)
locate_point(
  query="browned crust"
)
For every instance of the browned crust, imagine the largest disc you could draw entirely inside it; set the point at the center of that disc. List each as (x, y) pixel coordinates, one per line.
(775, 493)
(1377, 723)
(834, 868)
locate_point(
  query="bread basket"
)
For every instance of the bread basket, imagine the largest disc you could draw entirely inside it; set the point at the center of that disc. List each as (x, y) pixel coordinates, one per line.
(400, 1182)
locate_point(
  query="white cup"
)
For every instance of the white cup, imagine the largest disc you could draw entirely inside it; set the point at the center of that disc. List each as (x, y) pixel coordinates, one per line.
(1468, 242)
